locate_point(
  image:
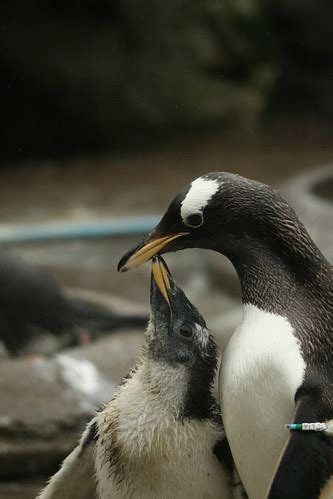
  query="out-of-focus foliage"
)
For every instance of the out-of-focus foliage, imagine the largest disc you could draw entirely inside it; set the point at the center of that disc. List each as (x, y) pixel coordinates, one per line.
(102, 72)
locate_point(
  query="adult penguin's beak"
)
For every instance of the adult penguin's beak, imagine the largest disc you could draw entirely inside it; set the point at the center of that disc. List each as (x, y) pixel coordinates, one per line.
(146, 249)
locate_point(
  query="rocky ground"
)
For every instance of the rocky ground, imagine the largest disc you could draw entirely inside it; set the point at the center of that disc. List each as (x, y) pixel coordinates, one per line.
(45, 403)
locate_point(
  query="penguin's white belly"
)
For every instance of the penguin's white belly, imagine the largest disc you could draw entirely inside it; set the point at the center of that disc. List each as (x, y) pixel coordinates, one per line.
(261, 371)
(178, 480)
(158, 455)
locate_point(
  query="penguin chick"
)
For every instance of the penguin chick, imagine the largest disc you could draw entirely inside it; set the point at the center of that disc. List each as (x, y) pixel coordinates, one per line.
(37, 317)
(161, 436)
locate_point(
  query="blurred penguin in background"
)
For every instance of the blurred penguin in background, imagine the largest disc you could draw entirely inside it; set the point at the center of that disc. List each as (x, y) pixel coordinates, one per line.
(36, 316)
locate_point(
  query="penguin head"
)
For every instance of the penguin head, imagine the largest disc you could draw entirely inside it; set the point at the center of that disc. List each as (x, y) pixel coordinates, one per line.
(177, 333)
(216, 211)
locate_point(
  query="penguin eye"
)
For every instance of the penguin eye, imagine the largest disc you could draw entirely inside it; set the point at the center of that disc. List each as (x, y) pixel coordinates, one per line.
(185, 331)
(194, 220)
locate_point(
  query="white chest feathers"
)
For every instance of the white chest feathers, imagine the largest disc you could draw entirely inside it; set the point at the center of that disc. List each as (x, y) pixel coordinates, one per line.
(145, 451)
(261, 371)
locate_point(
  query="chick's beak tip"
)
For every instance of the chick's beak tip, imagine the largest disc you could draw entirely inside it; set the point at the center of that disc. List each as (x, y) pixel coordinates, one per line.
(160, 275)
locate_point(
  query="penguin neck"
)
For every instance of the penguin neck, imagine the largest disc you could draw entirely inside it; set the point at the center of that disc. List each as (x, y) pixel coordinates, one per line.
(165, 383)
(184, 391)
(276, 274)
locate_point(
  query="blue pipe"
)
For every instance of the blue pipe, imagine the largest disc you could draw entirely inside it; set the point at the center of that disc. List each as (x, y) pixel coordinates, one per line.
(124, 226)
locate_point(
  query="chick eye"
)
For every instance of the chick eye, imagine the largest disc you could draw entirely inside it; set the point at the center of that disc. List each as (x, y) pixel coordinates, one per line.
(194, 220)
(186, 331)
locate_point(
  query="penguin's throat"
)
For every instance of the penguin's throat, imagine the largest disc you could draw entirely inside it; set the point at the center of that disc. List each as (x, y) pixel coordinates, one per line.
(265, 279)
(271, 277)
(166, 384)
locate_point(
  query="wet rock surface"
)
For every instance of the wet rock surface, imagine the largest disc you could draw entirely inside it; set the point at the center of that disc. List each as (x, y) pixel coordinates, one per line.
(311, 195)
(44, 405)
(46, 402)
(25, 489)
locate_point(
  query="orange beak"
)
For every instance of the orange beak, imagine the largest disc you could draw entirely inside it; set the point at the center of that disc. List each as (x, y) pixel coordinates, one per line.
(145, 251)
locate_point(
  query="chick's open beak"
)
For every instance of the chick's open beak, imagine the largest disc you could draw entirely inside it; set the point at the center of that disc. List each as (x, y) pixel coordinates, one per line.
(146, 250)
(161, 277)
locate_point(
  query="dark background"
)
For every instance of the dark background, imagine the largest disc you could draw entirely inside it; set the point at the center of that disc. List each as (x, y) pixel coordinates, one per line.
(82, 76)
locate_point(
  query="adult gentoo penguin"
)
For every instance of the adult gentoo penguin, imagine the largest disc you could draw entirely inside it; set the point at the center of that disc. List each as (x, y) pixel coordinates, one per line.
(37, 317)
(161, 436)
(278, 365)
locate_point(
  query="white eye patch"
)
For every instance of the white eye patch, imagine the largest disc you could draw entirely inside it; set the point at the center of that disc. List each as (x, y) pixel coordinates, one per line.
(202, 335)
(197, 198)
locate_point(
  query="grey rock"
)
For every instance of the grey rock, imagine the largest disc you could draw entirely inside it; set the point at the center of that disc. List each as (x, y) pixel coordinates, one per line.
(311, 195)
(114, 355)
(224, 325)
(224, 276)
(45, 402)
(25, 489)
